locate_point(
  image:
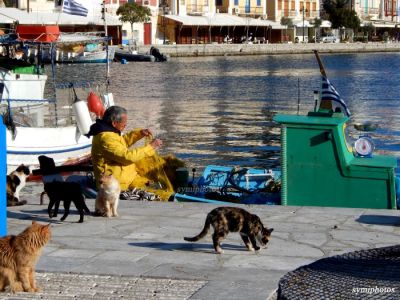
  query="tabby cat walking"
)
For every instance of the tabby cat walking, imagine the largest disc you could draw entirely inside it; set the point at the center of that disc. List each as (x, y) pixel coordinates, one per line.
(19, 255)
(234, 219)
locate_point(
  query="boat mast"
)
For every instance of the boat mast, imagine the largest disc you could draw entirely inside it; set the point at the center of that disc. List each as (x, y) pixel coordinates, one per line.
(103, 16)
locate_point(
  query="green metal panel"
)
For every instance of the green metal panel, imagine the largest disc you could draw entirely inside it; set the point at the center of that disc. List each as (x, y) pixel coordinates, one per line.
(284, 164)
(318, 169)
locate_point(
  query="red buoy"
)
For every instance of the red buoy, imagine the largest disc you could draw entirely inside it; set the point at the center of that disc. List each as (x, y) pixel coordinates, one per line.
(95, 105)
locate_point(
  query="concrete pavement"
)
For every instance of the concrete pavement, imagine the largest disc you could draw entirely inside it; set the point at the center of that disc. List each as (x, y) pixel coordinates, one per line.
(142, 254)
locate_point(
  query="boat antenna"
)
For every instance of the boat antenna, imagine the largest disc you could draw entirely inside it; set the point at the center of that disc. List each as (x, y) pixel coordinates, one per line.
(298, 96)
(103, 16)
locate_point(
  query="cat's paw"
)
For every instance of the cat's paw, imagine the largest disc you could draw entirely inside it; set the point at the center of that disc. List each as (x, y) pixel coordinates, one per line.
(256, 248)
(37, 289)
(250, 248)
(30, 290)
(16, 287)
(219, 251)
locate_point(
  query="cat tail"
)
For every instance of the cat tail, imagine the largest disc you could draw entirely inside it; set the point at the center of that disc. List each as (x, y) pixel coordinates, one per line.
(202, 234)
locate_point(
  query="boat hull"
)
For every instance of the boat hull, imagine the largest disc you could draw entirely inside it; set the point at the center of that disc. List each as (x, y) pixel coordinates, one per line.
(227, 185)
(85, 57)
(119, 55)
(63, 144)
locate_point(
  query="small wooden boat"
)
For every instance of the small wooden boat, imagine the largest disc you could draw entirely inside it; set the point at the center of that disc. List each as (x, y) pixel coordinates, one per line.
(222, 185)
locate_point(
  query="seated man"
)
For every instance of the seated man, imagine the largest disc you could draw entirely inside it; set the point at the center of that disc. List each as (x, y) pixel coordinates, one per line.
(110, 149)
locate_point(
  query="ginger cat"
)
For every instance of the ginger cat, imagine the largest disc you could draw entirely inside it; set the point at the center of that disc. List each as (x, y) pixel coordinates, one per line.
(107, 199)
(19, 255)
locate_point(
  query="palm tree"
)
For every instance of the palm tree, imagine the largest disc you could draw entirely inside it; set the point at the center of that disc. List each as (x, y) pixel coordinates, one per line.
(133, 13)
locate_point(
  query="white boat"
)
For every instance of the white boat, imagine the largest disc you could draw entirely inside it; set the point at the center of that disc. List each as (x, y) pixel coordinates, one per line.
(81, 48)
(58, 143)
(38, 126)
(99, 56)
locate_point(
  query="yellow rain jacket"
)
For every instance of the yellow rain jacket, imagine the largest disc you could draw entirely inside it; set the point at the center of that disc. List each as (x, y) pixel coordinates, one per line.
(111, 154)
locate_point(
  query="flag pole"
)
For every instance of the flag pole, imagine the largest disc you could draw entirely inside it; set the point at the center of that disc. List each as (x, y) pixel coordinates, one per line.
(324, 104)
(321, 66)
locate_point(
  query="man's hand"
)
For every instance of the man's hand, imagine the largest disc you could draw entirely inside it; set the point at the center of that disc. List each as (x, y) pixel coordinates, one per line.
(146, 132)
(156, 144)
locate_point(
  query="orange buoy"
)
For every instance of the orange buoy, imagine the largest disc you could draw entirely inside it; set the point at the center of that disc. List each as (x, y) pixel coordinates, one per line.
(95, 105)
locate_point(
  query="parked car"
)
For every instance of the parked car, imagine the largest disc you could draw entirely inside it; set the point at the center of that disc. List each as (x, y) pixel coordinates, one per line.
(330, 38)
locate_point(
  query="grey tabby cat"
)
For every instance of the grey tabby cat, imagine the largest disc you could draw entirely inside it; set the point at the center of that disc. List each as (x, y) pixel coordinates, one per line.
(234, 219)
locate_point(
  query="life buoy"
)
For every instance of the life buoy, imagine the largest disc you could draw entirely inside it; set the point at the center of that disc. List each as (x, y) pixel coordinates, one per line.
(95, 105)
(108, 100)
(82, 116)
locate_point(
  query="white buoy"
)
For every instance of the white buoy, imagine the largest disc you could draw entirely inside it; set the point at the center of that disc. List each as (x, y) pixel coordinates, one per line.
(82, 116)
(108, 100)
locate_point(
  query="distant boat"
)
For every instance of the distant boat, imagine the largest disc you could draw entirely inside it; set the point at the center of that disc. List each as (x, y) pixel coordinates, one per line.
(80, 48)
(133, 56)
(85, 57)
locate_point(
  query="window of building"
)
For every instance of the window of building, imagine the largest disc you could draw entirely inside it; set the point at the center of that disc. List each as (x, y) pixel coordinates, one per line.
(236, 2)
(218, 2)
(258, 2)
(124, 33)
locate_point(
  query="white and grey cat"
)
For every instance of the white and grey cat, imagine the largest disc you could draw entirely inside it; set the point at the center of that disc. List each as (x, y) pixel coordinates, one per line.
(16, 180)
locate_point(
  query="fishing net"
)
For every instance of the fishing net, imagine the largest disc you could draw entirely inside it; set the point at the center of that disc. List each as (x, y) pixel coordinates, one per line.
(365, 274)
(159, 172)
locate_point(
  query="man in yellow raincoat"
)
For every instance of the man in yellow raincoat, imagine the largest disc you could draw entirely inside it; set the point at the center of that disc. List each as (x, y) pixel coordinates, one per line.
(110, 149)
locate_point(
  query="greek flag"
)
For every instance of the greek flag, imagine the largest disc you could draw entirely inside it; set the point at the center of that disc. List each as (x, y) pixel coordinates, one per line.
(329, 93)
(74, 8)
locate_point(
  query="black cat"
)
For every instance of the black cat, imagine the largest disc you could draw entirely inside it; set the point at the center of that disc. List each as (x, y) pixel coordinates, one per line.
(65, 191)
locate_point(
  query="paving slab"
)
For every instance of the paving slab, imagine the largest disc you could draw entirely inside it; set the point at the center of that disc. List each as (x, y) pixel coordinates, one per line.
(138, 254)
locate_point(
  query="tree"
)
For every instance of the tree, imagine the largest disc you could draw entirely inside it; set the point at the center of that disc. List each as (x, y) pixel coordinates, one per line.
(288, 22)
(133, 13)
(339, 14)
(317, 25)
(368, 29)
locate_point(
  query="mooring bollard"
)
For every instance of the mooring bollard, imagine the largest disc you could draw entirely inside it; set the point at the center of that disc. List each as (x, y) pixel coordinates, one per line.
(3, 174)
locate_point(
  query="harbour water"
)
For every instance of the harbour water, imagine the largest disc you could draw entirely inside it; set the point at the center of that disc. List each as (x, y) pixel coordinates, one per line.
(218, 110)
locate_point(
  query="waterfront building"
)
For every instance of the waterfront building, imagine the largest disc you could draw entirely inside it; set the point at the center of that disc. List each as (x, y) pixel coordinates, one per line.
(42, 12)
(143, 33)
(219, 21)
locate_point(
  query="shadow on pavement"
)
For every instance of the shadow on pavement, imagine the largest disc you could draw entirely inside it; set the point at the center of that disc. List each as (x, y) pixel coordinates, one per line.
(196, 247)
(38, 215)
(379, 220)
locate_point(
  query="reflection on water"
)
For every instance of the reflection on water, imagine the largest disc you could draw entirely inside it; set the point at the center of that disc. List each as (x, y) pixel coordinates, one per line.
(218, 110)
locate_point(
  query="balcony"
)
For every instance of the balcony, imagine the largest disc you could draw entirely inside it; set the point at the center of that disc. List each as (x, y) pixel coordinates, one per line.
(297, 14)
(196, 10)
(247, 10)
